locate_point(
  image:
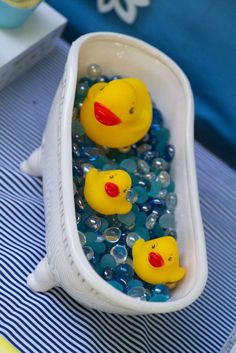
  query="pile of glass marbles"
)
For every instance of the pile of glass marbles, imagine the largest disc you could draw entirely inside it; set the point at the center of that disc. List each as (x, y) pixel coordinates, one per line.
(107, 240)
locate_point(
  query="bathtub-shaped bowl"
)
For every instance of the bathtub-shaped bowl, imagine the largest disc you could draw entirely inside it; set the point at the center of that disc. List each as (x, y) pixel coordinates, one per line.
(65, 264)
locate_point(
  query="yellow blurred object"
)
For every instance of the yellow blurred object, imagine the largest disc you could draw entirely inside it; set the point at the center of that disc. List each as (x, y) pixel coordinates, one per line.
(22, 4)
(106, 191)
(6, 347)
(157, 261)
(118, 113)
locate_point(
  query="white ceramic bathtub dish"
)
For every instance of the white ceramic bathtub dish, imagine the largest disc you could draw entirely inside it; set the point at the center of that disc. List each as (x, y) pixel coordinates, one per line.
(65, 264)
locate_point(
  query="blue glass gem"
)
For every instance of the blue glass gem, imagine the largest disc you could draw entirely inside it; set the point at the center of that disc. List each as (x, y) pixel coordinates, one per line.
(116, 77)
(160, 293)
(137, 293)
(169, 153)
(108, 261)
(86, 80)
(157, 119)
(134, 283)
(103, 78)
(98, 248)
(77, 128)
(127, 219)
(124, 271)
(167, 220)
(90, 237)
(129, 165)
(116, 285)
(107, 273)
(81, 91)
(155, 188)
(143, 232)
(142, 194)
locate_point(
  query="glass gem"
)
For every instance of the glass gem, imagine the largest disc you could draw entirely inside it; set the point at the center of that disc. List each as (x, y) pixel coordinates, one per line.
(103, 78)
(141, 219)
(112, 234)
(77, 128)
(81, 91)
(171, 233)
(129, 165)
(157, 119)
(79, 203)
(88, 251)
(144, 148)
(104, 224)
(150, 177)
(86, 80)
(93, 223)
(125, 149)
(98, 268)
(143, 232)
(123, 271)
(115, 77)
(167, 220)
(131, 196)
(155, 188)
(171, 187)
(127, 219)
(119, 252)
(86, 167)
(163, 135)
(90, 237)
(137, 293)
(129, 261)
(159, 164)
(131, 238)
(95, 259)
(116, 285)
(148, 156)
(98, 247)
(164, 178)
(171, 201)
(169, 153)
(142, 194)
(160, 293)
(94, 71)
(82, 238)
(108, 261)
(107, 273)
(158, 231)
(143, 166)
(134, 283)
(151, 221)
(162, 194)
(145, 207)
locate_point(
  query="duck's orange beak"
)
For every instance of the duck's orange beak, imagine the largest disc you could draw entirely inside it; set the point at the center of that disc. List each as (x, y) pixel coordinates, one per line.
(112, 189)
(105, 116)
(155, 259)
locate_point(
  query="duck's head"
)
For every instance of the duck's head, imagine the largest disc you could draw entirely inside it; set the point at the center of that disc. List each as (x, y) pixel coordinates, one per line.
(118, 113)
(105, 191)
(157, 253)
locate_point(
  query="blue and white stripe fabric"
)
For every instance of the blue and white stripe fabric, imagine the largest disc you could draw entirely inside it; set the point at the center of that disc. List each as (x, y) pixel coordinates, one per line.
(53, 322)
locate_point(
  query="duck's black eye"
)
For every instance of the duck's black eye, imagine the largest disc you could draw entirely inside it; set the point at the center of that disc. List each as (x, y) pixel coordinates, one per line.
(170, 258)
(131, 111)
(153, 247)
(102, 88)
(111, 176)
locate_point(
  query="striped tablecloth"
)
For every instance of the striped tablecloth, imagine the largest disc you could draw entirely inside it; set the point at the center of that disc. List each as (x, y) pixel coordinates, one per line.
(52, 322)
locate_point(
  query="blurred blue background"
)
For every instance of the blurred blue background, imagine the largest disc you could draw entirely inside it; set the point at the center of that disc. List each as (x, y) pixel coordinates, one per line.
(199, 35)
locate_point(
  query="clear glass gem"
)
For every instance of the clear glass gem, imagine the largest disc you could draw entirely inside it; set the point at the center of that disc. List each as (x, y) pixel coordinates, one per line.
(119, 252)
(131, 238)
(112, 234)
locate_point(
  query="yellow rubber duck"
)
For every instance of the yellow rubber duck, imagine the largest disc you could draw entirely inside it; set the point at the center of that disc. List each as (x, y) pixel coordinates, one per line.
(157, 261)
(106, 191)
(118, 113)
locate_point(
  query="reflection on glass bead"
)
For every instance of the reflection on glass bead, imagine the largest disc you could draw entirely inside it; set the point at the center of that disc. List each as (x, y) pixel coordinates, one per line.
(86, 167)
(137, 292)
(129, 165)
(162, 194)
(150, 176)
(169, 153)
(171, 201)
(164, 178)
(78, 219)
(143, 166)
(107, 273)
(146, 207)
(142, 194)
(131, 196)
(115, 77)
(79, 203)
(94, 71)
(123, 271)
(167, 220)
(132, 238)
(90, 237)
(95, 259)
(116, 285)
(119, 252)
(103, 78)
(75, 150)
(108, 261)
(86, 80)
(127, 219)
(93, 222)
(88, 252)
(112, 234)
(82, 238)
(151, 221)
(159, 164)
(148, 156)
